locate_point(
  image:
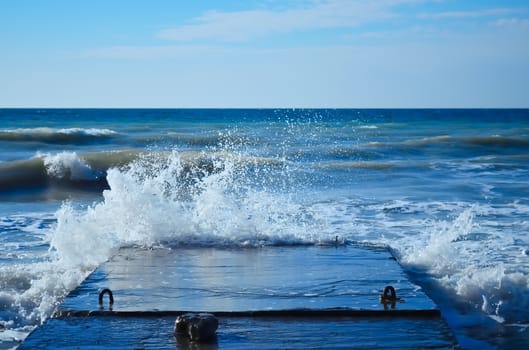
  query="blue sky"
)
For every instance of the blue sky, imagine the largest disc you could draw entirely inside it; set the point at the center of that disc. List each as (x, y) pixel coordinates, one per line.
(268, 53)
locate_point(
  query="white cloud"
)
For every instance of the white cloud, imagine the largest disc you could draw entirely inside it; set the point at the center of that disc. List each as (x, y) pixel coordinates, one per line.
(245, 25)
(237, 26)
(492, 12)
(522, 23)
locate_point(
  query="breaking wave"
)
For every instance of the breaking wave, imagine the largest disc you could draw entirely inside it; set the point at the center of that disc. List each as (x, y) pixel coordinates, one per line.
(466, 145)
(56, 136)
(161, 201)
(66, 170)
(157, 200)
(472, 260)
(58, 172)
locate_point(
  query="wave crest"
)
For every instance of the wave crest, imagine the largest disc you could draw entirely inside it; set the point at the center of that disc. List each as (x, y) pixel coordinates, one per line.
(63, 170)
(161, 202)
(68, 165)
(459, 259)
(56, 136)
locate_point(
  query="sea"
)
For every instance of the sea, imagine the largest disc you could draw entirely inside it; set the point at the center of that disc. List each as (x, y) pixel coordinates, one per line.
(445, 190)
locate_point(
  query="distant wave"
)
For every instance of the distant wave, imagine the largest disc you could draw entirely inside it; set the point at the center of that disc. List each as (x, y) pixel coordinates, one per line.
(496, 141)
(70, 172)
(358, 165)
(351, 153)
(426, 141)
(486, 143)
(368, 127)
(64, 169)
(196, 140)
(55, 136)
(477, 141)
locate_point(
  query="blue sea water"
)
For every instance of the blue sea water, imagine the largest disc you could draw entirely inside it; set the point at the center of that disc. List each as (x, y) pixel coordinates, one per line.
(445, 190)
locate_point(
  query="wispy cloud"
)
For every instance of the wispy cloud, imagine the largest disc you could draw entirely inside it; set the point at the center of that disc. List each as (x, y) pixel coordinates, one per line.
(522, 23)
(491, 12)
(381, 22)
(245, 25)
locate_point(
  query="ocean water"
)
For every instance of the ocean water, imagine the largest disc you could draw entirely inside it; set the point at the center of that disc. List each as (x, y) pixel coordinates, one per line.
(446, 190)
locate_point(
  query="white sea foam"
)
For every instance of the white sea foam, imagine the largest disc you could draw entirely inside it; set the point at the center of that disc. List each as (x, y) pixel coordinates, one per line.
(30, 284)
(67, 165)
(42, 286)
(152, 202)
(473, 258)
(65, 131)
(465, 248)
(161, 201)
(471, 252)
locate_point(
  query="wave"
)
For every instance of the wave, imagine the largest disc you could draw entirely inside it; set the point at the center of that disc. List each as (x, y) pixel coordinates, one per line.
(357, 165)
(63, 174)
(496, 141)
(221, 207)
(160, 200)
(65, 169)
(427, 141)
(56, 136)
(195, 140)
(152, 204)
(476, 268)
(156, 200)
(351, 153)
(471, 258)
(459, 143)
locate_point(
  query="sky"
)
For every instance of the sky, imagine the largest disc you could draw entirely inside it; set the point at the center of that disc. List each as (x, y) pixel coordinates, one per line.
(264, 53)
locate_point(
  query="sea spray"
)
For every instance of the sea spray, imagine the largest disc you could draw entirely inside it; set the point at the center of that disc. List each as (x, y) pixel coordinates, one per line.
(68, 165)
(458, 256)
(166, 201)
(439, 253)
(31, 283)
(436, 181)
(156, 200)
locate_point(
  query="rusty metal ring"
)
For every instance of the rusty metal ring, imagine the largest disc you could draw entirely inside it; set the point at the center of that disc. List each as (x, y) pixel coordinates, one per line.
(110, 297)
(389, 293)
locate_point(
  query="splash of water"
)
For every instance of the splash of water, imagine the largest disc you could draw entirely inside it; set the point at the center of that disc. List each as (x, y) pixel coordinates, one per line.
(157, 200)
(160, 199)
(460, 259)
(67, 165)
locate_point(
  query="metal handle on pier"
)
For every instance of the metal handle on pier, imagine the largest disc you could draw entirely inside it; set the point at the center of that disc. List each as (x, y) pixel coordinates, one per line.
(110, 298)
(389, 294)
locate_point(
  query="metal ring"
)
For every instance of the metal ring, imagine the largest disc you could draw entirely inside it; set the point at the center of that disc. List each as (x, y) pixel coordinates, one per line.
(389, 293)
(110, 297)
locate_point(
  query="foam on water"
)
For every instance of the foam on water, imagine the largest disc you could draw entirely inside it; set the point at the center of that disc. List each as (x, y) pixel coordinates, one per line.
(68, 174)
(53, 135)
(480, 265)
(30, 284)
(471, 258)
(469, 251)
(153, 201)
(68, 165)
(63, 169)
(156, 200)
(470, 262)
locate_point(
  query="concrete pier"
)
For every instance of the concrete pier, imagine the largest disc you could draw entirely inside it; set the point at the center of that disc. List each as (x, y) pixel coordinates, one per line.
(264, 298)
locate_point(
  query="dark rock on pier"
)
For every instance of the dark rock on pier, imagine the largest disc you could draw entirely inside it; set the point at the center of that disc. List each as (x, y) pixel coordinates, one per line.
(201, 327)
